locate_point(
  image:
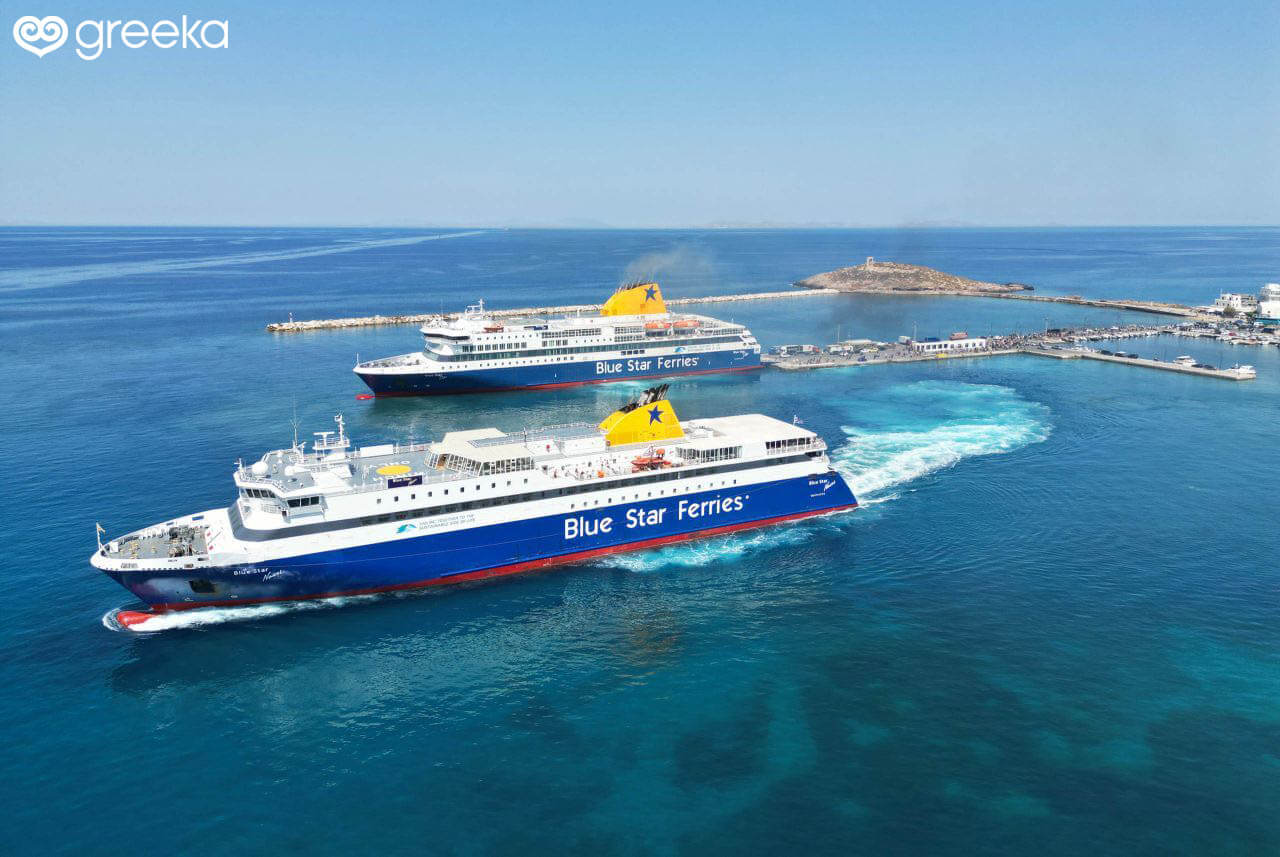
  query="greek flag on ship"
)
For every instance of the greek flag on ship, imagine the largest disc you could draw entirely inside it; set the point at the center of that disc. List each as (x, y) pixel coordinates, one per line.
(334, 520)
(633, 337)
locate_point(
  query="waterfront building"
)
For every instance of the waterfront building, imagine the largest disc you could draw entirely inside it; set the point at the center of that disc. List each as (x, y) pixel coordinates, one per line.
(949, 346)
(1240, 303)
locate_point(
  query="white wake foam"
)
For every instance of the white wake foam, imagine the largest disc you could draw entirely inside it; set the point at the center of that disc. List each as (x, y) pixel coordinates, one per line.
(919, 429)
(872, 462)
(703, 551)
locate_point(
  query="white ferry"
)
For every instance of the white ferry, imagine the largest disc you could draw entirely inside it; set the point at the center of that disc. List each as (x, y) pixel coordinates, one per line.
(334, 520)
(633, 337)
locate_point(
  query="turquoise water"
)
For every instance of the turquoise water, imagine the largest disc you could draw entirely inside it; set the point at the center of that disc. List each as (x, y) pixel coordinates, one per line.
(1051, 627)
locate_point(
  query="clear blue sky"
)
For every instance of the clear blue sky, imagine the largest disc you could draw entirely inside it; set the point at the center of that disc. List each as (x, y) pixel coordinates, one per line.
(653, 114)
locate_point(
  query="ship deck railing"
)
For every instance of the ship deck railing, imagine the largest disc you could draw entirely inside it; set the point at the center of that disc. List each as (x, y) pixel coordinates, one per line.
(419, 457)
(159, 542)
(314, 462)
(413, 359)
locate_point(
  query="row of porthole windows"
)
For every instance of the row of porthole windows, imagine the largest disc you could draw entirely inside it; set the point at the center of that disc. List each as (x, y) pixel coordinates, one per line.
(490, 365)
(662, 492)
(724, 483)
(450, 508)
(311, 501)
(493, 346)
(543, 352)
(395, 498)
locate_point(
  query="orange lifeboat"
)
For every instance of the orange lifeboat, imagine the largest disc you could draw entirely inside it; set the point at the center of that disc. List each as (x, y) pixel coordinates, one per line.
(688, 324)
(650, 462)
(493, 328)
(657, 326)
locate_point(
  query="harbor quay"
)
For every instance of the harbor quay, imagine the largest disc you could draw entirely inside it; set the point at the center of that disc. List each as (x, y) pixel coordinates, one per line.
(1061, 343)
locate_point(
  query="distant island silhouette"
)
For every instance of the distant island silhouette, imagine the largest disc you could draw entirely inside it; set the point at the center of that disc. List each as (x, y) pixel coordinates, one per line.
(891, 277)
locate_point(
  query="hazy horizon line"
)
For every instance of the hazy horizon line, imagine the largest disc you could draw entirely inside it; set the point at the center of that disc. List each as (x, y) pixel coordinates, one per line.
(780, 227)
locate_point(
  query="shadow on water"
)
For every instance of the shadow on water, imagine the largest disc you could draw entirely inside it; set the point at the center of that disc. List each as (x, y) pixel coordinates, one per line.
(651, 639)
(220, 646)
(488, 625)
(635, 619)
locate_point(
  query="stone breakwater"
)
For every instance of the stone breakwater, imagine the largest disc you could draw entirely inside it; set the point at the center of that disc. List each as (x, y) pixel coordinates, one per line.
(1156, 307)
(568, 309)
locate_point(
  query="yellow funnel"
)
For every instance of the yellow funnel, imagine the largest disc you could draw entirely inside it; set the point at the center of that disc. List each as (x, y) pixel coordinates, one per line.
(638, 299)
(649, 418)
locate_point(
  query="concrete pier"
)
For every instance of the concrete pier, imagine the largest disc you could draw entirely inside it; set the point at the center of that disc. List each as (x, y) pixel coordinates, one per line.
(568, 309)
(1154, 307)
(1225, 374)
(1061, 354)
(1040, 345)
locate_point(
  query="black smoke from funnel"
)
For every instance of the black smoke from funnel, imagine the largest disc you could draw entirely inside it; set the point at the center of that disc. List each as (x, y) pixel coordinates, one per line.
(678, 269)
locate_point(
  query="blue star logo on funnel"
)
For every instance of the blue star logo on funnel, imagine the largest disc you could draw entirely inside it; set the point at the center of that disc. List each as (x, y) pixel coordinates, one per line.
(650, 293)
(655, 415)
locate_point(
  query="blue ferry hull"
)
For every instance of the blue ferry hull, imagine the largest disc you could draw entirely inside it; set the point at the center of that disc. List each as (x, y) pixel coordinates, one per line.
(534, 377)
(492, 550)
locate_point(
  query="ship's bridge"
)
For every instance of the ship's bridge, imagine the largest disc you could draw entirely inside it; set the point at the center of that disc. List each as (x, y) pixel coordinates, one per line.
(482, 452)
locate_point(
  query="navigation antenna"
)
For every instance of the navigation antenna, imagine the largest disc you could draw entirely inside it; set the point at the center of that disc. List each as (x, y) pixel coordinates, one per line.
(295, 423)
(325, 442)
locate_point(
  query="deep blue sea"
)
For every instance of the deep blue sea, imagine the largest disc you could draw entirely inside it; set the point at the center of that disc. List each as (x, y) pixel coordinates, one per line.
(1053, 627)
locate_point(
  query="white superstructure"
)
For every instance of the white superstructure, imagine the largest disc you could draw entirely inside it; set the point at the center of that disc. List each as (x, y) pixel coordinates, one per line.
(476, 340)
(633, 336)
(296, 501)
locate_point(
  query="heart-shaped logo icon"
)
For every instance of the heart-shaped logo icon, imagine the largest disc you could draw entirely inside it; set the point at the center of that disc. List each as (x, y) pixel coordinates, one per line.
(28, 30)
